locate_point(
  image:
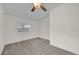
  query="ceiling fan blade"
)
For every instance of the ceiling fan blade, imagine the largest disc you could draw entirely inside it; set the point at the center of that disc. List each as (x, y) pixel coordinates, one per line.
(33, 9)
(42, 7)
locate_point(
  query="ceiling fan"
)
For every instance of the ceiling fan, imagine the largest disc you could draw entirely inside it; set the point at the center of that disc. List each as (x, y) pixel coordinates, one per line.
(38, 6)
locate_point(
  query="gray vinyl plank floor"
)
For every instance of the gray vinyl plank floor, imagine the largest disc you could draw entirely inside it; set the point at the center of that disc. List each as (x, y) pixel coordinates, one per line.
(35, 46)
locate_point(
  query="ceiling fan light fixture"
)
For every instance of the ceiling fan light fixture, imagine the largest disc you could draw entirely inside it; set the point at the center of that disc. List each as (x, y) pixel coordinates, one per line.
(37, 5)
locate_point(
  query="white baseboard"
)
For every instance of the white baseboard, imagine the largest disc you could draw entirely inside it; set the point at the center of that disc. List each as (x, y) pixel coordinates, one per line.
(24, 40)
(62, 48)
(19, 40)
(44, 38)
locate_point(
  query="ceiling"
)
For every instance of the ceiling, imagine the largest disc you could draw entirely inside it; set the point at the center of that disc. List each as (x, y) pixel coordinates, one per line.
(23, 10)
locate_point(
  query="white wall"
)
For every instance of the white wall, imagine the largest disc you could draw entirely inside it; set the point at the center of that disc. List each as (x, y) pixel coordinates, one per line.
(13, 36)
(1, 29)
(64, 27)
(44, 28)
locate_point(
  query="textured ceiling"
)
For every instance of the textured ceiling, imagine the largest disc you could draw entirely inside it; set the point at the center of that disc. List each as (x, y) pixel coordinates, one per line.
(23, 10)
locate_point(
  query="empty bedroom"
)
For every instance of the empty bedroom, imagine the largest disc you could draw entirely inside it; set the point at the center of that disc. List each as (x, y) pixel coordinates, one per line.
(39, 28)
